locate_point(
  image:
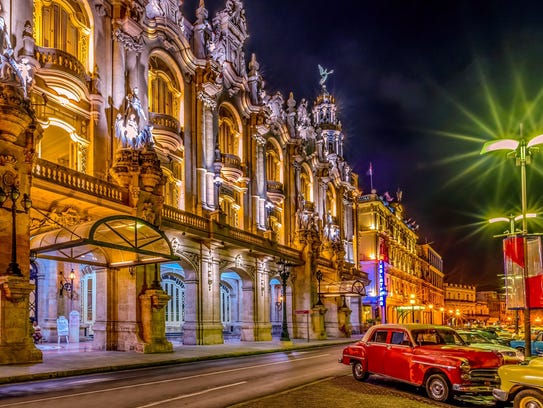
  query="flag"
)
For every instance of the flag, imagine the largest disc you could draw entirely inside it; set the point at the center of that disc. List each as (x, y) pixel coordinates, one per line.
(370, 171)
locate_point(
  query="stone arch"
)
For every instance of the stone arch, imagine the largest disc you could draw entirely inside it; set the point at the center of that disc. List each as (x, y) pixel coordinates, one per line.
(242, 299)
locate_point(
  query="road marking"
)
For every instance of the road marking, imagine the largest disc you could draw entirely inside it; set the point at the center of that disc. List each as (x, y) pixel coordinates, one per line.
(125, 387)
(190, 395)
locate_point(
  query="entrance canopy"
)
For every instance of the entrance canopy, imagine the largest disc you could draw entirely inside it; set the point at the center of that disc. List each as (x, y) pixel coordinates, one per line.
(112, 242)
(344, 288)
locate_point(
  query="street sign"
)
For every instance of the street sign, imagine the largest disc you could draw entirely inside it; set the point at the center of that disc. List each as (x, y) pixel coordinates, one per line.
(301, 312)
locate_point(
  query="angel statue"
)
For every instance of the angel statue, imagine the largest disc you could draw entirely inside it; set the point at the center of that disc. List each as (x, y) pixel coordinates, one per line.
(324, 74)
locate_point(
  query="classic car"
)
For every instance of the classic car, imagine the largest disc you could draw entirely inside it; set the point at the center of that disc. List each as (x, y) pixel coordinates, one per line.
(537, 344)
(433, 357)
(522, 384)
(475, 339)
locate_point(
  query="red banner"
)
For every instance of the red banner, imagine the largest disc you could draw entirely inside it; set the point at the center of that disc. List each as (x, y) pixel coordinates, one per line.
(514, 264)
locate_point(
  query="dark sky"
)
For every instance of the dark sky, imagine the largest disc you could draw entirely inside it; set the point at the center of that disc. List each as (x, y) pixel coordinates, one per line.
(420, 86)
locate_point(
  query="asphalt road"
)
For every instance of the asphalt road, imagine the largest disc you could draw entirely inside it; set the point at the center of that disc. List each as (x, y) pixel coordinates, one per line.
(308, 378)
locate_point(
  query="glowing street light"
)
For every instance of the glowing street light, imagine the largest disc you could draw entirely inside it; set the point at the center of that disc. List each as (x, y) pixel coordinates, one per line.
(511, 220)
(521, 150)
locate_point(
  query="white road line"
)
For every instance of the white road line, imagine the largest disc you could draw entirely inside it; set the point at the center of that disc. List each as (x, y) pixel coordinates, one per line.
(125, 387)
(153, 404)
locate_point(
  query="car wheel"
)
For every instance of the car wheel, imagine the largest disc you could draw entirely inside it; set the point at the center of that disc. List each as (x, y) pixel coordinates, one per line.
(437, 387)
(359, 373)
(528, 399)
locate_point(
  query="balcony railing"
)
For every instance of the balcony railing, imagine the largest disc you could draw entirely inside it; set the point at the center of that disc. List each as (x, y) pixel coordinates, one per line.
(205, 227)
(52, 58)
(274, 187)
(81, 182)
(164, 122)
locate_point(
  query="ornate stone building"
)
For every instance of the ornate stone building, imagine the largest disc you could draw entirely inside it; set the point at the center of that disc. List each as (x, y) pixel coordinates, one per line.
(152, 186)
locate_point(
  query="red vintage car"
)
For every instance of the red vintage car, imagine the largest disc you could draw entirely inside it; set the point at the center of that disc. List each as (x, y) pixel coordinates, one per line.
(434, 357)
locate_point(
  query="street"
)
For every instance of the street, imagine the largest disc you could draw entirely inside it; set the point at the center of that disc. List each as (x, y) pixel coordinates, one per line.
(284, 379)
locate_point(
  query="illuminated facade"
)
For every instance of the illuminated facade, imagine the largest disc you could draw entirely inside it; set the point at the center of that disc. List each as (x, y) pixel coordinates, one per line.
(406, 278)
(168, 187)
(463, 307)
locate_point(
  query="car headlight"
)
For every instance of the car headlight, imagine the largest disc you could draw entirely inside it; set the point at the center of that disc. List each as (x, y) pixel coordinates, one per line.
(465, 367)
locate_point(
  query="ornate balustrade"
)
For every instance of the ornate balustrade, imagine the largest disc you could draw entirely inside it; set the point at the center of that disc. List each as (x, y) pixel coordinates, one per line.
(77, 181)
(52, 58)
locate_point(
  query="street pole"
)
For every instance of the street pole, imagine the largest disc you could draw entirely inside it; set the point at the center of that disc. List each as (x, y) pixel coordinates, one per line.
(527, 314)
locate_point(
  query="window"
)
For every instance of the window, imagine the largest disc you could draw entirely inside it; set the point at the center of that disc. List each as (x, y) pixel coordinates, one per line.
(164, 90)
(398, 337)
(63, 25)
(226, 315)
(175, 308)
(380, 336)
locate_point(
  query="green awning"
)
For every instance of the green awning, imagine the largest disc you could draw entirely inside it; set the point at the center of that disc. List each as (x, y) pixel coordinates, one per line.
(115, 241)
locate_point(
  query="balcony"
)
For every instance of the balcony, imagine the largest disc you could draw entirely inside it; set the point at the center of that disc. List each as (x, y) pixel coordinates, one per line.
(232, 169)
(275, 191)
(74, 180)
(166, 131)
(56, 64)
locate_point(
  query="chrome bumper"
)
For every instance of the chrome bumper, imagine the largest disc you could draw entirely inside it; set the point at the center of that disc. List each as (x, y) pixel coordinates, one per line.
(500, 395)
(473, 388)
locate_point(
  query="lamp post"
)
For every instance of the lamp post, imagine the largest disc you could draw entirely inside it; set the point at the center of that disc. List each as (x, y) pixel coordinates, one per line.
(442, 310)
(521, 150)
(13, 194)
(318, 275)
(284, 273)
(412, 301)
(431, 307)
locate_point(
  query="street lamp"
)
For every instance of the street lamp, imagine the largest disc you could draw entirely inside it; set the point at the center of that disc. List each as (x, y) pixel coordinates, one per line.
(412, 301)
(13, 194)
(442, 310)
(318, 275)
(284, 273)
(431, 307)
(521, 150)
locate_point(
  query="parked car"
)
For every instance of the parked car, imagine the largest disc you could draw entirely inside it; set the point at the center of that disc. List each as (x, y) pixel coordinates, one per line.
(475, 339)
(434, 357)
(537, 344)
(522, 384)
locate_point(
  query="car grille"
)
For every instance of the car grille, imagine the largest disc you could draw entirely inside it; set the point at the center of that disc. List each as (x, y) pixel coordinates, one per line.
(485, 376)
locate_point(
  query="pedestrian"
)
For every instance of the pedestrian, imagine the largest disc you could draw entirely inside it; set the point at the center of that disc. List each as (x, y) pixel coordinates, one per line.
(36, 335)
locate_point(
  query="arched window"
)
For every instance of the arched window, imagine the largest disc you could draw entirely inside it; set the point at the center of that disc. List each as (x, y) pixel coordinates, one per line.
(63, 25)
(164, 89)
(305, 185)
(330, 201)
(229, 134)
(226, 313)
(62, 146)
(273, 163)
(175, 308)
(88, 298)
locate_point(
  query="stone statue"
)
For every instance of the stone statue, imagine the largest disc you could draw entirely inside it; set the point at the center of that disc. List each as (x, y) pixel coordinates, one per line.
(324, 74)
(7, 60)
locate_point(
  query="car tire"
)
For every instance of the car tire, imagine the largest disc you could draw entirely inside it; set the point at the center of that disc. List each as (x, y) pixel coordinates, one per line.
(359, 373)
(528, 399)
(438, 388)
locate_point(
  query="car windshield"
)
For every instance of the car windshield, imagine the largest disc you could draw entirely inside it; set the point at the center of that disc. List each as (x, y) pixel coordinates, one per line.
(425, 337)
(475, 338)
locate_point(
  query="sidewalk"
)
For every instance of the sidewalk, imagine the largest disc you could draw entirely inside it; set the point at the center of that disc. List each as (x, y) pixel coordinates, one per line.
(66, 360)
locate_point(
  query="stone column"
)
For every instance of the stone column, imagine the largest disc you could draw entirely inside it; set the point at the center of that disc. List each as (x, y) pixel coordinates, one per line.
(17, 140)
(153, 321)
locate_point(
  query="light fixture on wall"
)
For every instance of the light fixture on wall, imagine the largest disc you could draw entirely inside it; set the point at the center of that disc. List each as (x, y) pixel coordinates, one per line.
(66, 285)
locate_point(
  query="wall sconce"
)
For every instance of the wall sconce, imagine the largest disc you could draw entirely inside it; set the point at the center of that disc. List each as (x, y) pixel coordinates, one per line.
(66, 285)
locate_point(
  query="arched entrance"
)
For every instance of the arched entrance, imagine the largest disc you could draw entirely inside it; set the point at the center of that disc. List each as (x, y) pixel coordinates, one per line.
(107, 271)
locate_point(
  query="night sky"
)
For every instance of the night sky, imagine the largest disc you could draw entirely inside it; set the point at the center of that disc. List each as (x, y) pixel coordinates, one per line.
(420, 86)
